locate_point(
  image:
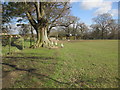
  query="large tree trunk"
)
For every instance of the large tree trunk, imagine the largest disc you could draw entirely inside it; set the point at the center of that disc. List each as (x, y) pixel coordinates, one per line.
(42, 39)
(102, 33)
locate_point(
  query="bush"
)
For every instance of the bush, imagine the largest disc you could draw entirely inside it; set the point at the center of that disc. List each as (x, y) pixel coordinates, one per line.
(14, 40)
(18, 43)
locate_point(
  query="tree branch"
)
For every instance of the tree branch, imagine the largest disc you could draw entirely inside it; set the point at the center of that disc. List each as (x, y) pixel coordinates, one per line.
(31, 20)
(54, 25)
(38, 10)
(60, 15)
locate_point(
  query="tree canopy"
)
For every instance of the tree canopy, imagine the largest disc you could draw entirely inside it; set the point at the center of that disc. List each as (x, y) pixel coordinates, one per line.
(40, 15)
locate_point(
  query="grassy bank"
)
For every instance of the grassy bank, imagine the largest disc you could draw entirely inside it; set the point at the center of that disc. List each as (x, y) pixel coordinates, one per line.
(82, 64)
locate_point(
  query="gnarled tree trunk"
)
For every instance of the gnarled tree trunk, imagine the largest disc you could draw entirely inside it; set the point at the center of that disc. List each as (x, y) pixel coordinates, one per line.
(42, 38)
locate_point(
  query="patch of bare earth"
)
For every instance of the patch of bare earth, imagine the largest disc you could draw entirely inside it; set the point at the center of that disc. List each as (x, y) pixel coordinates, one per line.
(9, 77)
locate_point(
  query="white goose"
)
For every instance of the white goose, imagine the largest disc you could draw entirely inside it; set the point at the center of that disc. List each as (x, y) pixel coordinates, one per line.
(62, 45)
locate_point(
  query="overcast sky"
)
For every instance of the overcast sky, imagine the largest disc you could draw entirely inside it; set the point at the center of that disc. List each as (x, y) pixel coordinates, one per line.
(87, 10)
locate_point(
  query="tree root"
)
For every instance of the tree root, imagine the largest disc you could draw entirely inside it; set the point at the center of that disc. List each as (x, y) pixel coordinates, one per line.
(45, 44)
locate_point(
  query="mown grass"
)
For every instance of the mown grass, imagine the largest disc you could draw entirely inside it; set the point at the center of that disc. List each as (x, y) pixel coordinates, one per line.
(81, 64)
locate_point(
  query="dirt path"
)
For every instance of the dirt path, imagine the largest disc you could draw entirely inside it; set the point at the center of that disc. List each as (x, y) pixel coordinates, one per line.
(9, 78)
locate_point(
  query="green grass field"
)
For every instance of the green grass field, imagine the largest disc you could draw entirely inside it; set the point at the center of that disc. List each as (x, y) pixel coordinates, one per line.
(80, 64)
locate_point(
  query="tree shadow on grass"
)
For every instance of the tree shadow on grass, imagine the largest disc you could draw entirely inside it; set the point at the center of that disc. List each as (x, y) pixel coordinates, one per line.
(38, 75)
(40, 59)
(33, 57)
(15, 67)
(17, 46)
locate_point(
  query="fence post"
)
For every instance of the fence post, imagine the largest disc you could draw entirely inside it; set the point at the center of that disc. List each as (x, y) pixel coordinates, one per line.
(10, 44)
(22, 43)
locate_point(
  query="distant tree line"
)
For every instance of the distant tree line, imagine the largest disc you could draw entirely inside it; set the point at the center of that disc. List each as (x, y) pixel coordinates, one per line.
(104, 27)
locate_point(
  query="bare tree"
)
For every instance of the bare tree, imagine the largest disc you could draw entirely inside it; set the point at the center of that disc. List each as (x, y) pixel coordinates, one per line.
(82, 29)
(96, 31)
(103, 20)
(113, 29)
